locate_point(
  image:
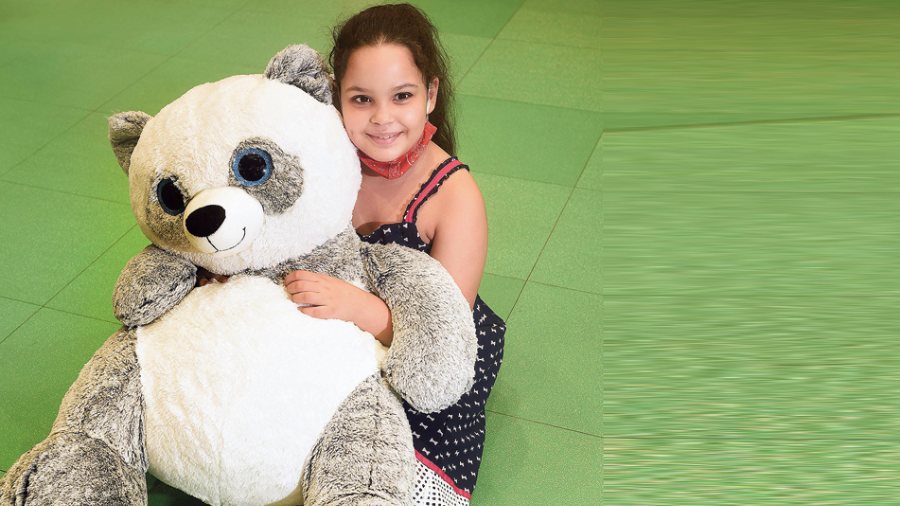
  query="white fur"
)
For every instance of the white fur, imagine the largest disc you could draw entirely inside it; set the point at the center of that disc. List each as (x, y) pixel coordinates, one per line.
(234, 403)
(196, 135)
(243, 221)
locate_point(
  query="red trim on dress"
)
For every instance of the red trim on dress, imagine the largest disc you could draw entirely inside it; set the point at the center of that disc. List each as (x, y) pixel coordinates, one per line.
(431, 184)
(431, 465)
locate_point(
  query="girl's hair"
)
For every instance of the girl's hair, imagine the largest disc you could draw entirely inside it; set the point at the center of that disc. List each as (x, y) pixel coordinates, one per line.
(408, 26)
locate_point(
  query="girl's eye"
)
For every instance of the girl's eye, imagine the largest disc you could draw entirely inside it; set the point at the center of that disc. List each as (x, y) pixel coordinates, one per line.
(361, 99)
(404, 96)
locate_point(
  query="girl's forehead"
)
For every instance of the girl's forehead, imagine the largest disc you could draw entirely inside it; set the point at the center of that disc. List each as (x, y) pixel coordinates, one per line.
(384, 64)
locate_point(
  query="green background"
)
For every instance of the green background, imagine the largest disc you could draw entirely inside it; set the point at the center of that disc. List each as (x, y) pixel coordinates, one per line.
(694, 227)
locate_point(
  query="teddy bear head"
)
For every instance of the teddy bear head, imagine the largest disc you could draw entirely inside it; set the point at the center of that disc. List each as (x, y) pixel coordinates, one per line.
(243, 173)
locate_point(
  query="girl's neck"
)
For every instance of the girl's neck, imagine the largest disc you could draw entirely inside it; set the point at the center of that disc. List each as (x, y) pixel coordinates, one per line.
(431, 156)
(382, 201)
(394, 169)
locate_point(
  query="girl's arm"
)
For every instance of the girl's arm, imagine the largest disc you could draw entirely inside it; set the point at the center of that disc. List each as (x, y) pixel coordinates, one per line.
(456, 226)
(459, 234)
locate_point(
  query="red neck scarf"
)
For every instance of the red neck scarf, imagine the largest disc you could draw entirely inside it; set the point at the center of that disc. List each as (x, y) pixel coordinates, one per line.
(396, 168)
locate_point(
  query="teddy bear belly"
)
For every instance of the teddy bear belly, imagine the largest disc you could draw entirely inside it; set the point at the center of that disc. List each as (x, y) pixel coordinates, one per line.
(238, 385)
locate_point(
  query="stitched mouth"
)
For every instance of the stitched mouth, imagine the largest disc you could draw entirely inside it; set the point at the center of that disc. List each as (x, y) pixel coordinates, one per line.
(235, 245)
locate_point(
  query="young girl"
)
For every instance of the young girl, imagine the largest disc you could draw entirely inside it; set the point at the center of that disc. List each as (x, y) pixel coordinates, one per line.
(392, 90)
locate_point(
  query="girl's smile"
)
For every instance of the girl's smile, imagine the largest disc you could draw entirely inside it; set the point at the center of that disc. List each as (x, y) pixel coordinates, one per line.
(384, 139)
(384, 101)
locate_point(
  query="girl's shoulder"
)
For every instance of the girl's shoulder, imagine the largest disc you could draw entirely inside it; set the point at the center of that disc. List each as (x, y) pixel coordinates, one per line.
(460, 185)
(458, 200)
(451, 183)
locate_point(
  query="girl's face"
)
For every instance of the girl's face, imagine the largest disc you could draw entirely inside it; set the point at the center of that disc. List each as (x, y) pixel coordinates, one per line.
(384, 101)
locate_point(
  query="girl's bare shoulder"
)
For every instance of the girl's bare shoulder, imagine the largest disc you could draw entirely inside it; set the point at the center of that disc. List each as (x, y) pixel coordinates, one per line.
(458, 201)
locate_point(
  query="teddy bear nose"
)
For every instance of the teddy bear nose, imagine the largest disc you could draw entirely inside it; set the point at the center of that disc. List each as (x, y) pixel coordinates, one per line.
(205, 221)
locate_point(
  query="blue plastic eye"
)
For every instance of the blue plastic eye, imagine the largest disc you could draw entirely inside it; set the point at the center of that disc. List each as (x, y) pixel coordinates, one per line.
(252, 166)
(169, 196)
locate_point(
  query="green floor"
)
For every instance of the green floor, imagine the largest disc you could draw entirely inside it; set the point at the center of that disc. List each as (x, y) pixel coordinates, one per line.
(699, 303)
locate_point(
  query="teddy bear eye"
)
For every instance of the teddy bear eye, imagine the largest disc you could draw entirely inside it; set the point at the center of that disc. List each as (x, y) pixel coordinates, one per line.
(170, 198)
(252, 166)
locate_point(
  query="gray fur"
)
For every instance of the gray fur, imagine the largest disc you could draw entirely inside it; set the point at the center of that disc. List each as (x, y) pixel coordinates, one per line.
(106, 401)
(339, 258)
(431, 360)
(124, 131)
(365, 454)
(283, 189)
(72, 469)
(150, 284)
(169, 229)
(302, 66)
(95, 451)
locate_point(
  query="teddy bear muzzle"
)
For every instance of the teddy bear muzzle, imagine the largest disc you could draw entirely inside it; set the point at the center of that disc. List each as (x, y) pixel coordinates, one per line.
(223, 221)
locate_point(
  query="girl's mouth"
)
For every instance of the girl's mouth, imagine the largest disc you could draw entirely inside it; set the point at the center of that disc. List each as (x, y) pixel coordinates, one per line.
(383, 139)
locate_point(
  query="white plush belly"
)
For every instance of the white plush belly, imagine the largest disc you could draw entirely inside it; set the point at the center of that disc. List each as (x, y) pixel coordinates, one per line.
(238, 384)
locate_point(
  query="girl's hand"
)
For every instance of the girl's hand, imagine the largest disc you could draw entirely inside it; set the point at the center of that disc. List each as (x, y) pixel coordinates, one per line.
(323, 296)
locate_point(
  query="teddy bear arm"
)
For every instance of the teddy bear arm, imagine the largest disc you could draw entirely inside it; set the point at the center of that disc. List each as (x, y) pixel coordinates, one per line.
(364, 455)
(431, 361)
(151, 283)
(95, 451)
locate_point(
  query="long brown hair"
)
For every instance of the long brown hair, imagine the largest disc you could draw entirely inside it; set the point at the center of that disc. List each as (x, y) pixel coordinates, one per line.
(408, 26)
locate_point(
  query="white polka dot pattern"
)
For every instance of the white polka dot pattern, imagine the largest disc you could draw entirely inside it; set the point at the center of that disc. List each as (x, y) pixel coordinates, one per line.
(432, 490)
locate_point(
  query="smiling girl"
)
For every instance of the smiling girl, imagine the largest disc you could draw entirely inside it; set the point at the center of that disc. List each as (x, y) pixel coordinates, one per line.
(392, 89)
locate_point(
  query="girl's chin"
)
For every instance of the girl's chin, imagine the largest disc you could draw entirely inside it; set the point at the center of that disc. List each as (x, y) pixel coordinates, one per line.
(385, 154)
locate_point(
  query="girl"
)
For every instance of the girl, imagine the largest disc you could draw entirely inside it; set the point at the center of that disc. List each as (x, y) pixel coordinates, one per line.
(392, 90)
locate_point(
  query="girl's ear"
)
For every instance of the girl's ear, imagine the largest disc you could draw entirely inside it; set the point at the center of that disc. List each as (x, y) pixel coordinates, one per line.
(431, 97)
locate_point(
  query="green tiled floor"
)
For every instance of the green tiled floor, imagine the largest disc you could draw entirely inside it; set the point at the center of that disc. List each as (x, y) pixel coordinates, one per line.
(38, 362)
(694, 212)
(567, 138)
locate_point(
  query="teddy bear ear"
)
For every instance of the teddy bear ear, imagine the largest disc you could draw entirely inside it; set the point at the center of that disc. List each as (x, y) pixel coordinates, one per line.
(302, 66)
(124, 131)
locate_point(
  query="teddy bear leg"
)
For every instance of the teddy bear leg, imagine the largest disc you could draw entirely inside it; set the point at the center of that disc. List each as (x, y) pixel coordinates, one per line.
(73, 469)
(95, 451)
(365, 454)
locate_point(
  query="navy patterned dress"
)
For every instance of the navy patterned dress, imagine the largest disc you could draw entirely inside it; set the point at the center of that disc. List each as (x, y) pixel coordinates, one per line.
(449, 443)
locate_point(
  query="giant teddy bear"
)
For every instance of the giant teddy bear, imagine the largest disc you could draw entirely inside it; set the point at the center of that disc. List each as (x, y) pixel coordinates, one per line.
(227, 391)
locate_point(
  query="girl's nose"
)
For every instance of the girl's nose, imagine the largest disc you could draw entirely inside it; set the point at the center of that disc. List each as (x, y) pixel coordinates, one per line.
(381, 115)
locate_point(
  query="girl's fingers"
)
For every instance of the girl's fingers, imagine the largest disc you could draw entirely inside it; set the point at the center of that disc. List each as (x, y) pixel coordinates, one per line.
(301, 286)
(301, 276)
(314, 311)
(306, 298)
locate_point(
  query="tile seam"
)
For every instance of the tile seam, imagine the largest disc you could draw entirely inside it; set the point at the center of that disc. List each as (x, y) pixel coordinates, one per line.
(49, 141)
(462, 78)
(469, 94)
(801, 120)
(100, 108)
(13, 331)
(82, 271)
(63, 192)
(546, 424)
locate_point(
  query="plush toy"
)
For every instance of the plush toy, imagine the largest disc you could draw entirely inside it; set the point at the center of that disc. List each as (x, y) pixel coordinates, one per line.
(227, 391)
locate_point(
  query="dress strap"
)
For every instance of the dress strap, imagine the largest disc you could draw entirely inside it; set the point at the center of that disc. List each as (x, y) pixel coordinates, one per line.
(430, 187)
